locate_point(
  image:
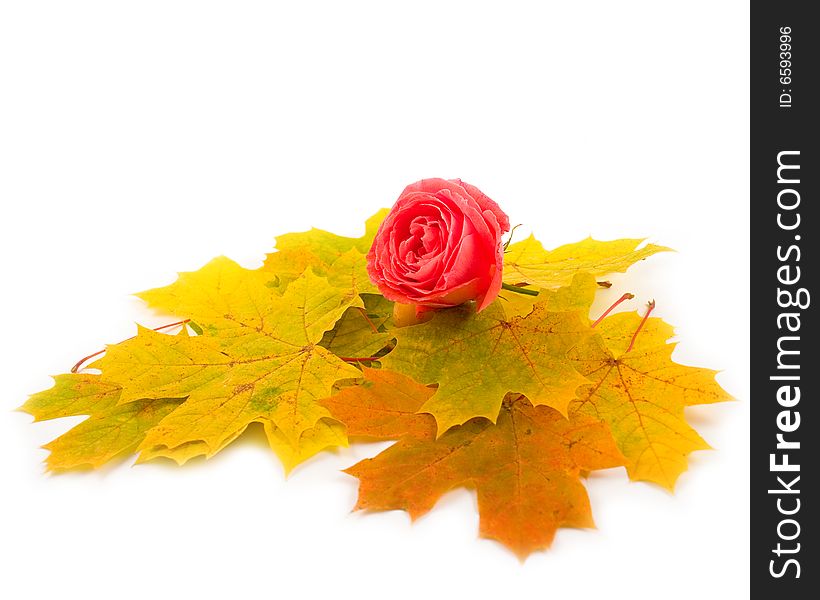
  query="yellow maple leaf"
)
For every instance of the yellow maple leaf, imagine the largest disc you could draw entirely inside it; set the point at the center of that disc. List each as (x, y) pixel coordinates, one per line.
(641, 394)
(327, 433)
(578, 296)
(216, 295)
(184, 452)
(326, 253)
(259, 360)
(527, 261)
(349, 272)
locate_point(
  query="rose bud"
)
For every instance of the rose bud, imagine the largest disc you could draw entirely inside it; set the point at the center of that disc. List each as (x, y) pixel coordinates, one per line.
(439, 246)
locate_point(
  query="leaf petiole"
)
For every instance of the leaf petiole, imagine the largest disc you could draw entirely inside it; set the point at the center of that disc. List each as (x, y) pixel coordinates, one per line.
(650, 307)
(626, 296)
(80, 362)
(363, 312)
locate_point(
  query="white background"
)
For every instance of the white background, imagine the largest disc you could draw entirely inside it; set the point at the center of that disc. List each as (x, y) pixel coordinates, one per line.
(139, 139)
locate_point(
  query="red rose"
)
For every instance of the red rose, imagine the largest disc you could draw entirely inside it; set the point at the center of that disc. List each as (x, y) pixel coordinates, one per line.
(440, 246)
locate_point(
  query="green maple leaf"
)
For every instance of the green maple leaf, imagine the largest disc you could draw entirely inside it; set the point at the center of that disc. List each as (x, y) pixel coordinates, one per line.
(361, 332)
(111, 430)
(477, 359)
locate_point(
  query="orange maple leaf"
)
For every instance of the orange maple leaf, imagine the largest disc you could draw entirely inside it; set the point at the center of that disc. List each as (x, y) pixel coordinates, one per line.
(526, 468)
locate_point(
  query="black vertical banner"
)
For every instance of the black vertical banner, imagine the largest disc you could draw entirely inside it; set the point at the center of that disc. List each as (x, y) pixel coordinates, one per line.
(785, 430)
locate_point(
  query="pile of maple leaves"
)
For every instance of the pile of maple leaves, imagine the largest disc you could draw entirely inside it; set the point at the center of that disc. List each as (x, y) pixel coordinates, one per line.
(519, 401)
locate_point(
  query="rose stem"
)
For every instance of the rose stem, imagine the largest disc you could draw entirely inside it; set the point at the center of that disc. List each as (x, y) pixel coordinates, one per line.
(519, 290)
(80, 362)
(626, 296)
(650, 308)
(366, 318)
